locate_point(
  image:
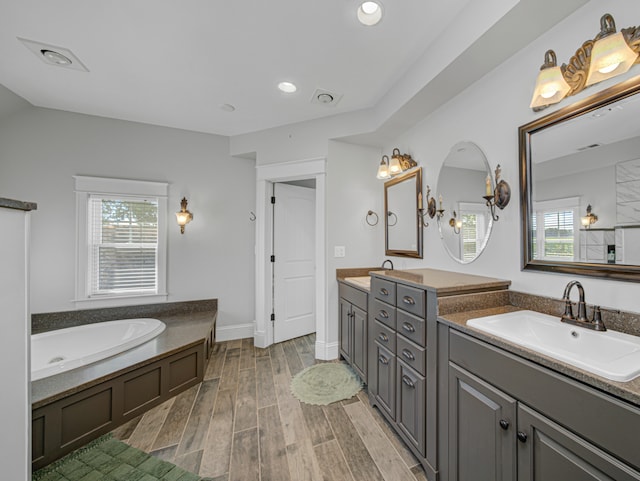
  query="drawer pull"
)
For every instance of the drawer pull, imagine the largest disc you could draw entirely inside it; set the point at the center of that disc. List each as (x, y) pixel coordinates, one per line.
(407, 354)
(408, 327)
(504, 424)
(384, 292)
(407, 380)
(383, 337)
(383, 360)
(409, 300)
(384, 314)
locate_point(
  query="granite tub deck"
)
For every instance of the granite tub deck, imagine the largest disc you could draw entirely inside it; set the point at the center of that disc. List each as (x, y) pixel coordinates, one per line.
(455, 311)
(74, 407)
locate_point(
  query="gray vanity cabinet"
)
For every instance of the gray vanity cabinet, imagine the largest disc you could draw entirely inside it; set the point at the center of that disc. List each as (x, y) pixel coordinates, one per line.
(353, 328)
(482, 420)
(510, 419)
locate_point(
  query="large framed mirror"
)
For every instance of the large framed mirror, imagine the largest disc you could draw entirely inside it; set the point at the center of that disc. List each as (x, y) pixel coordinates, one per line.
(584, 159)
(403, 223)
(465, 225)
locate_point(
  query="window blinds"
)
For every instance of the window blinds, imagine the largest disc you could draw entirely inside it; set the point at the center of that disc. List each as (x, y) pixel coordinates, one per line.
(123, 245)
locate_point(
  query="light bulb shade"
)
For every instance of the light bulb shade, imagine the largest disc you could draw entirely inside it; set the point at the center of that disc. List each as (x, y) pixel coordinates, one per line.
(585, 221)
(184, 216)
(383, 169)
(610, 56)
(551, 87)
(394, 166)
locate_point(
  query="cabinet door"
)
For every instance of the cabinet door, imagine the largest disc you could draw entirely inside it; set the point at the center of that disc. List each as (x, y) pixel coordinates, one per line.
(482, 430)
(359, 354)
(547, 451)
(345, 330)
(385, 374)
(410, 411)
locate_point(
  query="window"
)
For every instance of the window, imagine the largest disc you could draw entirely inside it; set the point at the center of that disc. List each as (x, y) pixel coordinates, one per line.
(472, 232)
(554, 229)
(121, 240)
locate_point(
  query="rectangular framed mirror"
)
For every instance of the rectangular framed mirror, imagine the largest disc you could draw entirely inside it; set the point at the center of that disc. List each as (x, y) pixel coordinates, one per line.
(402, 220)
(583, 159)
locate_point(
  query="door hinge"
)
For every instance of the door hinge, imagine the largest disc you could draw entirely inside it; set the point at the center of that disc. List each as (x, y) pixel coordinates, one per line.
(273, 199)
(273, 258)
(273, 316)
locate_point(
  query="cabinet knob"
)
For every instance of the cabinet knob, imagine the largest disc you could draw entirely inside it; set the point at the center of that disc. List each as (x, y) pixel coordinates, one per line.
(522, 437)
(408, 300)
(504, 424)
(407, 354)
(407, 380)
(384, 292)
(408, 327)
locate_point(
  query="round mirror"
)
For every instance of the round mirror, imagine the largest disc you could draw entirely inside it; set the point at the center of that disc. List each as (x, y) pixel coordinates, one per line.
(465, 224)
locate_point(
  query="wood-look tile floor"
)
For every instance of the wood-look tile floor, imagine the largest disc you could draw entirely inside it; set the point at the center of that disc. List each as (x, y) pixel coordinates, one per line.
(243, 424)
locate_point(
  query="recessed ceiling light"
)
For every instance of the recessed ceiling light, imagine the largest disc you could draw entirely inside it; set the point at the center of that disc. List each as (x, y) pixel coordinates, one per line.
(227, 107)
(287, 87)
(369, 13)
(55, 57)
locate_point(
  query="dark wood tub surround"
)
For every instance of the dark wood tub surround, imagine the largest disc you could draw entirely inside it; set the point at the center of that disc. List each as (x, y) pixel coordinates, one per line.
(74, 407)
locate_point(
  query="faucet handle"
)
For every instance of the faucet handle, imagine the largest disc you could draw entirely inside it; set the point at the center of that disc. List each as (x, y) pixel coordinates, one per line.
(597, 319)
(568, 310)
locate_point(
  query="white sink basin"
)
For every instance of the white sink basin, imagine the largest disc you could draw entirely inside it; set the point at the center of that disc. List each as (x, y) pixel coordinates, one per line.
(612, 355)
(363, 281)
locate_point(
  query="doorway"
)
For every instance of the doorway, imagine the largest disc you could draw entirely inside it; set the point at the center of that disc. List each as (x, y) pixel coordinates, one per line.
(267, 175)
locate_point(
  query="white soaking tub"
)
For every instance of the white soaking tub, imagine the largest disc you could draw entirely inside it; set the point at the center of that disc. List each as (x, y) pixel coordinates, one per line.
(58, 351)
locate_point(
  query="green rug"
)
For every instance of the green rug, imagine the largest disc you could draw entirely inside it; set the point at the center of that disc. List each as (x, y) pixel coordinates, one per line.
(325, 383)
(107, 459)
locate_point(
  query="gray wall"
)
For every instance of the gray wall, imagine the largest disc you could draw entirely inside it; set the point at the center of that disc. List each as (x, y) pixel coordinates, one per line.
(40, 151)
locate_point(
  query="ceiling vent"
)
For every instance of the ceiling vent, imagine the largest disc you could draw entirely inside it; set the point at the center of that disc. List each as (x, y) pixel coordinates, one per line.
(52, 55)
(587, 147)
(326, 98)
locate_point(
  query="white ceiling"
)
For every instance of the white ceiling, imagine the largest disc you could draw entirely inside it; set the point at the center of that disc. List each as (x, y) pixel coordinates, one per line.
(174, 63)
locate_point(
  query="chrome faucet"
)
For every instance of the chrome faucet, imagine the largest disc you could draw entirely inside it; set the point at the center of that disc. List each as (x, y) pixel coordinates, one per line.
(389, 261)
(597, 324)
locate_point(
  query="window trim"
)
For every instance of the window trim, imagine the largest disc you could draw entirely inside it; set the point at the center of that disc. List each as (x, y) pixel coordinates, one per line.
(84, 186)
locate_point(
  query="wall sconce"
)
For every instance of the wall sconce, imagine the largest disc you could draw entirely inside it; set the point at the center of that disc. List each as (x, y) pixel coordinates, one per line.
(607, 55)
(551, 87)
(440, 211)
(589, 219)
(611, 55)
(184, 216)
(501, 194)
(383, 170)
(431, 207)
(455, 223)
(398, 164)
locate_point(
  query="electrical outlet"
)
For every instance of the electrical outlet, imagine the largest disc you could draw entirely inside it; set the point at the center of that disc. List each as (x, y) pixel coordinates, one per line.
(339, 251)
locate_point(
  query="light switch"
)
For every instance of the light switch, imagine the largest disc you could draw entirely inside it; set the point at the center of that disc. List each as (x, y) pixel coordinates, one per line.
(339, 251)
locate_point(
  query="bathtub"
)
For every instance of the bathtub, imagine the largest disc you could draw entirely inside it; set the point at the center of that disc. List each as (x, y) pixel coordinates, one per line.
(58, 351)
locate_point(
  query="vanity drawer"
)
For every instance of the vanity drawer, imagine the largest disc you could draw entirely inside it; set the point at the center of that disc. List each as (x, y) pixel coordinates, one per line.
(411, 327)
(410, 299)
(384, 290)
(384, 313)
(384, 336)
(354, 296)
(411, 354)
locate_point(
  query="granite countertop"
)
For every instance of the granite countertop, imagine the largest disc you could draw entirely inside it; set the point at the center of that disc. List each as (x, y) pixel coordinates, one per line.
(628, 391)
(444, 283)
(17, 204)
(183, 330)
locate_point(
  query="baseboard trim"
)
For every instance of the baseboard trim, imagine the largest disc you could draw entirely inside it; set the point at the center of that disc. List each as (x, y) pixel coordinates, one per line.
(237, 331)
(327, 351)
(260, 339)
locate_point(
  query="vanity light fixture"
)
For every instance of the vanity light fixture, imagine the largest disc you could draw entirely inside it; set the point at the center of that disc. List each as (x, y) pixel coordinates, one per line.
(184, 216)
(607, 55)
(588, 219)
(383, 169)
(551, 87)
(455, 223)
(501, 194)
(611, 54)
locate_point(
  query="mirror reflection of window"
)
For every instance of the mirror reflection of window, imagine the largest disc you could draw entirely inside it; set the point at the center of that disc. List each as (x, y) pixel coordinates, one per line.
(473, 230)
(555, 228)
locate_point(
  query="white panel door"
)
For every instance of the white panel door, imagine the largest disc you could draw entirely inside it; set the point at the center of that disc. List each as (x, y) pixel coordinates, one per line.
(294, 266)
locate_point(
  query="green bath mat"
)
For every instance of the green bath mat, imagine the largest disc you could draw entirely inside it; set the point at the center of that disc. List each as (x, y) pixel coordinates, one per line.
(325, 383)
(107, 459)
